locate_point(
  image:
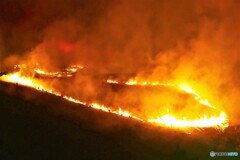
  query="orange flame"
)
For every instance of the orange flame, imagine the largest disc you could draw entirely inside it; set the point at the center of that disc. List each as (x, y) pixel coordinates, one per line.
(146, 83)
(172, 121)
(169, 120)
(165, 120)
(188, 89)
(53, 74)
(112, 81)
(67, 73)
(38, 85)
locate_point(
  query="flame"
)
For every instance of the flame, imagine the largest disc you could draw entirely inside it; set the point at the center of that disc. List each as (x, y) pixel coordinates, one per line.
(135, 82)
(112, 81)
(53, 74)
(74, 68)
(39, 71)
(164, 120)
(38, 85)
(121, 112)
(67, 73)
(188, 89)
(169, 120)
(172, 121)
(184, 87)
(146, 83)
(26, 81)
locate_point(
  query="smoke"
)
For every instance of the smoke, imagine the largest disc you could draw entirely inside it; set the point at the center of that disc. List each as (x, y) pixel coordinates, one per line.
(210, 60)
(178, 41)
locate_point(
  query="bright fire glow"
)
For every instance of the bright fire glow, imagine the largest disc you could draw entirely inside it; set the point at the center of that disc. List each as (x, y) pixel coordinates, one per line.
(172, 121)
(146, 83)
(26, 81)
(53, 74)
(169, 120)
(188, 89)
(112, 81)
(185, 88)
(165, 120)
(38, 85)
(74, 68)
(66, 73)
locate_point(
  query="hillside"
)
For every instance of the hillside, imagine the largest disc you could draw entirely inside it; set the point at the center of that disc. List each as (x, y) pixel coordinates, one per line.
(37, 125)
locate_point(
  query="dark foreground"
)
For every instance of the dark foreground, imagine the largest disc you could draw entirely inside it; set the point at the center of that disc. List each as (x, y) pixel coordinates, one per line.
(35, 125)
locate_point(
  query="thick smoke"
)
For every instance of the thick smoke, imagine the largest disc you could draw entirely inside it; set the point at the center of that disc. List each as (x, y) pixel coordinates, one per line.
(177, 41)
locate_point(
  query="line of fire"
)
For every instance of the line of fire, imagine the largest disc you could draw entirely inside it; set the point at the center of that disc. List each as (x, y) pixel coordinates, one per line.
(33, 78)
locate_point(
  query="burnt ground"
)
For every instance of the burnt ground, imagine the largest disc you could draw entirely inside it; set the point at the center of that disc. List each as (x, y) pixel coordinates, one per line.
(37, 125)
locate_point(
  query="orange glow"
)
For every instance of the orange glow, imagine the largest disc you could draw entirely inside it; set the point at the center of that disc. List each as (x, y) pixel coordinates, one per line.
(67, 73)
(26, 81)
(53, 74)
(179, 122)
(112, 81)
(169, 120)
(38, 85)
(74, 100)
(188, 89)
(183, 87)
(164, 120)
(74, 68)
(146, 83)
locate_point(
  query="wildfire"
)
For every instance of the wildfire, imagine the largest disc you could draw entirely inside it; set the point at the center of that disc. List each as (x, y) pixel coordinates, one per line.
(188, 89)
(38, 85)
(26, 81)
(182, 87)
(68, 72)
(53, 74)
(172, 121)
(74, 68)
(135, 82)
(112, 81)
(146, 83)
(169, 120)
(165, 120)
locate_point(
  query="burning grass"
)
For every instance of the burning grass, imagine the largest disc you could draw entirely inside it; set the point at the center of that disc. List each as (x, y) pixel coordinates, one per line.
(215, 118)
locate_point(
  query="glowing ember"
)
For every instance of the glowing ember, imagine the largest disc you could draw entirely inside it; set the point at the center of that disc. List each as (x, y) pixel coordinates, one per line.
(53, 74)
(112, 81)
(143, 83)
(146, 83)
(74, 68)
(39, 71)
(66, 73)
(133, 82)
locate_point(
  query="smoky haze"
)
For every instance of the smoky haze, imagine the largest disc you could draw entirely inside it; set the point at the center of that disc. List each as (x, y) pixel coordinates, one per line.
(178, 40)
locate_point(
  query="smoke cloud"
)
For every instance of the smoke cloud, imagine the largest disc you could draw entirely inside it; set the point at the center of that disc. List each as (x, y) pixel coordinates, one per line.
(178, 41)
